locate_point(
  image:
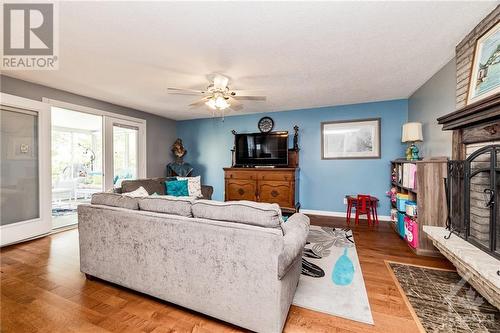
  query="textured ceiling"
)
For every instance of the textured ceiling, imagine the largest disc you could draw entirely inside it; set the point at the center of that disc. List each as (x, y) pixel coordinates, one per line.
(299, 54)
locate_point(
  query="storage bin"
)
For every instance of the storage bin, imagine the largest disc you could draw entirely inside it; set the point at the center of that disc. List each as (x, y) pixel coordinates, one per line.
(401, 201)
(411, 236)
(411, 208)
(401, 224)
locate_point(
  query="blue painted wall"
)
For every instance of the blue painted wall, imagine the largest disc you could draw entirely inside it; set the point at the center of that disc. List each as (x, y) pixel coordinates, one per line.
(323, 183)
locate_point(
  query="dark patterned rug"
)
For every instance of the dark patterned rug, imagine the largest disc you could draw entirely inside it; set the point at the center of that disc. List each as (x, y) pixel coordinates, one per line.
(444, 302)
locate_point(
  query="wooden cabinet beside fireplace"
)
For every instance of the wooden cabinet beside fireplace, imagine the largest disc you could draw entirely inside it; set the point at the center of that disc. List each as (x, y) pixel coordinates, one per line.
(272, 185)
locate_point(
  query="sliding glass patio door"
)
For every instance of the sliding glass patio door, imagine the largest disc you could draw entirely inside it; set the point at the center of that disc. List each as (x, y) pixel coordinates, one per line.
(77, 162)
(24, 169)
(92, 151)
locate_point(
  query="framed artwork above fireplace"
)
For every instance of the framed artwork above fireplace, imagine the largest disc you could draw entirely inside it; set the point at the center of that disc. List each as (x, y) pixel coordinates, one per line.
(485, 76)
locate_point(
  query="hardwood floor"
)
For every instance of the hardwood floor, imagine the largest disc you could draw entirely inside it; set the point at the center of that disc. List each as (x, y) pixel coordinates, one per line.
(42, 290)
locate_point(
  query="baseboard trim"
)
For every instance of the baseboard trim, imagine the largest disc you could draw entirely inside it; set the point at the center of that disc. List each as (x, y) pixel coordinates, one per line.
(338, 214)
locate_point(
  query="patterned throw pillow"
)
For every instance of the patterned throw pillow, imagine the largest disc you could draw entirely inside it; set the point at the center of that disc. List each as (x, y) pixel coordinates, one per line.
(177, 188)
(194, 186)
(139, 193)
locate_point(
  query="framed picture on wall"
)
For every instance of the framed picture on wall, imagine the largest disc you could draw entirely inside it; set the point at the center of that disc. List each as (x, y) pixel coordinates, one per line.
(485, 75)
(350, 139)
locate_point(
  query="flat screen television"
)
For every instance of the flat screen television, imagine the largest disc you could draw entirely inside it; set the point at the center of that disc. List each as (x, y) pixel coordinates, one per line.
(261, 149)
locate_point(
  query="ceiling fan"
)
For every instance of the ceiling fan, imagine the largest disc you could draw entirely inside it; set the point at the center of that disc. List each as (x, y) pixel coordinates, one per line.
(217, 96)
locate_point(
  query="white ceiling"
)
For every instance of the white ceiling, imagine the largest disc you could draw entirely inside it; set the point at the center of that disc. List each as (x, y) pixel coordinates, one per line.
(300, 54)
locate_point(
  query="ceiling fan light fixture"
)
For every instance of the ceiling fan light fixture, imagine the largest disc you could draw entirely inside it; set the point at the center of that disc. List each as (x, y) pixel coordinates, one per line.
(218, 103)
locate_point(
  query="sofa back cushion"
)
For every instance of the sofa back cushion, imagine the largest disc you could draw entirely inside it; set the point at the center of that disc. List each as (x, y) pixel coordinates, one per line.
(115, 200)
(247, 212)
(167, 204)
(152, 185)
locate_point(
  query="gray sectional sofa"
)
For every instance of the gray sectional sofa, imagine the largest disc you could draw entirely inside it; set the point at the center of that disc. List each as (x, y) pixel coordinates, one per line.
(235, 261)
(156, 185)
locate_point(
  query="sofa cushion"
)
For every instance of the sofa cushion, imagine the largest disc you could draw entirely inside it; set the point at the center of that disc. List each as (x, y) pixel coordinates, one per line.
(167, 204)
(139, 193)
(115, 200)
(248, 212)
(151, 185)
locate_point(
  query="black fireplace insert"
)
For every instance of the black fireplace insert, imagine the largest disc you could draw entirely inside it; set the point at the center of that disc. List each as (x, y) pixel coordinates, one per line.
(473, 186)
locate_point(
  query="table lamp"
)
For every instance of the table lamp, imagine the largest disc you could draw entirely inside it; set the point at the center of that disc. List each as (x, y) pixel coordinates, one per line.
(412, 132)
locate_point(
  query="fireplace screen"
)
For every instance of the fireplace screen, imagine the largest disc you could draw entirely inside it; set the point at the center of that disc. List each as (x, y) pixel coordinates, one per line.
(473, 208)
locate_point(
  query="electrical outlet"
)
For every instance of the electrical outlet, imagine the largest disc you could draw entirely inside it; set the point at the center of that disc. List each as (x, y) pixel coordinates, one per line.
(345, 201)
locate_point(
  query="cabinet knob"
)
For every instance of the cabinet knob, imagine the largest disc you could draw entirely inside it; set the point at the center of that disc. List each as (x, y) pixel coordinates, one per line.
(274, 193)
(241, 191)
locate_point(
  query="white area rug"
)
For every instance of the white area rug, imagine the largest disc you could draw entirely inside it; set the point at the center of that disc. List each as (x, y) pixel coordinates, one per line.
(331, 280)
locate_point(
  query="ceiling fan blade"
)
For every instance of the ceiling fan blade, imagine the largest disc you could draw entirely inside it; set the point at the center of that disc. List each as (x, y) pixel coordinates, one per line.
(234, 104)
(250, 98)
(182, 91)
(220, 81)
(199, 102)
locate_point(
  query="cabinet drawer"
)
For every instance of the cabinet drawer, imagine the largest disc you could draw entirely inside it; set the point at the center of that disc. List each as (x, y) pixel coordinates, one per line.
(240, 174)
(241, 190)
(276, 175)
(276, 192)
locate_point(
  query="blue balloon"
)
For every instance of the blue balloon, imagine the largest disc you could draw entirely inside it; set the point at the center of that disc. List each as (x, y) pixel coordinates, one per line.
(343, 272)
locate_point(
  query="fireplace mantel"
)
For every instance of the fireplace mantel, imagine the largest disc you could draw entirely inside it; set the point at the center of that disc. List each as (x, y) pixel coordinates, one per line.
(480, 112)
(474, 123)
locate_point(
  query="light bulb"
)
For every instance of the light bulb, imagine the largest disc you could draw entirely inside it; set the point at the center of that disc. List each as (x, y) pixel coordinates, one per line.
(211, 103)
(217, 103)
(221, 103)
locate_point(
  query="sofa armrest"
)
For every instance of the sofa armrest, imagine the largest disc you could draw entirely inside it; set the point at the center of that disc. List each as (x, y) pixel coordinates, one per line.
(207, 191)
(295, 230)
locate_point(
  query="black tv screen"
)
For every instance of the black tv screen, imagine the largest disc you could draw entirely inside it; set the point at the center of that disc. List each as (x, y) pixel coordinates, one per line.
(256, 149)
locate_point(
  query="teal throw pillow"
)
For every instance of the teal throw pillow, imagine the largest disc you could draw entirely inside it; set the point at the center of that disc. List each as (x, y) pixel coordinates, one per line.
(177, 188)
(168, 179)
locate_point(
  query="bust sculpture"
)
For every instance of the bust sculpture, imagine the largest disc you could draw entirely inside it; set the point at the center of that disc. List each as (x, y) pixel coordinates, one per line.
(179, 151)
(179, 167)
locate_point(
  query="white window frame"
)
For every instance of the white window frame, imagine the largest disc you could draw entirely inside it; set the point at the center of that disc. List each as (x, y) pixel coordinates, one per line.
(18, 231)
(110, 118)
(109, 122)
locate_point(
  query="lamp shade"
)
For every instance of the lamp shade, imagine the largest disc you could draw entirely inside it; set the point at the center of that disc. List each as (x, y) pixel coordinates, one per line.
(412, 132)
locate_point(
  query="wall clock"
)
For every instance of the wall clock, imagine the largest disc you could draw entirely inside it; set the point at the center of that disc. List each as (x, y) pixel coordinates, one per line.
(266, 124)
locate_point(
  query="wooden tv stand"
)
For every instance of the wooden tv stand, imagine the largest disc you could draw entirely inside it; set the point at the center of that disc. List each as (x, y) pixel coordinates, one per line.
(272, 185)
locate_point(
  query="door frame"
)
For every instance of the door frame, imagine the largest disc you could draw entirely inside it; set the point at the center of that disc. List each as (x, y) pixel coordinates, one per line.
(19, 231)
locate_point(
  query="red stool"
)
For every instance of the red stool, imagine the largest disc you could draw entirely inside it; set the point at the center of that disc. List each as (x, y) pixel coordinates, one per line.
(364, 204)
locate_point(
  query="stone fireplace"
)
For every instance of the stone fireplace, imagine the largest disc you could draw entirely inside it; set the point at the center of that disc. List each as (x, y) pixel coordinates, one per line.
(471, 240)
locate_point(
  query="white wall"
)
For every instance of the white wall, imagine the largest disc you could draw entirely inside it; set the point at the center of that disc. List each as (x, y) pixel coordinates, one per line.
(433, 99)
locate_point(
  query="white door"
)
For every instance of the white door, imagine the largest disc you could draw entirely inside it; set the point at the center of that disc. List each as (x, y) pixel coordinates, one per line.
(24, 169)
(126, 140)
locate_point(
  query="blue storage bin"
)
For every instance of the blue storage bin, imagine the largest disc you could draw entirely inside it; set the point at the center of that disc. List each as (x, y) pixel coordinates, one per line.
(401, 224)
(411, 208)
(401, 201)
(401, 204)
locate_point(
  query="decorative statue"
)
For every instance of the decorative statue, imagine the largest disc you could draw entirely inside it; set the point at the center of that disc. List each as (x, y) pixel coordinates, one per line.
(296, 138)
(179, 151)
(179, 167)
